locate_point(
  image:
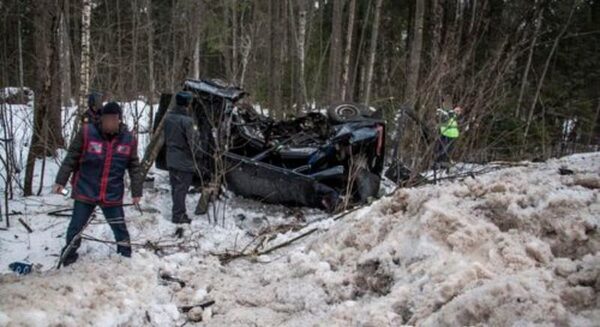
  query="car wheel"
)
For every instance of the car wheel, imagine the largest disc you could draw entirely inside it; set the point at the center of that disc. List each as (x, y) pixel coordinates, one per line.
(346, 112)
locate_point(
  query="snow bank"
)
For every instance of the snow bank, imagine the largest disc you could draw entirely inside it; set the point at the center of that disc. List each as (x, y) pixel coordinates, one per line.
(509, 248)
(518, 246)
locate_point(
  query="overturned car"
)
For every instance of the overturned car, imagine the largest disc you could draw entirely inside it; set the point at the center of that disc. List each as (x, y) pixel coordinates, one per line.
(316, 160)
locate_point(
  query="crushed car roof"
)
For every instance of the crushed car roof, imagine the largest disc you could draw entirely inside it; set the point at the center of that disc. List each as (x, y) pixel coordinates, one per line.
(214, 87)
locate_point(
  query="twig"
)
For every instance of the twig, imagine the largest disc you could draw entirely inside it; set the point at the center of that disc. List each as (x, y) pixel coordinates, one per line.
(29, 230)
(204, 305)
(288, 242)
(227, 258)
(169, 278)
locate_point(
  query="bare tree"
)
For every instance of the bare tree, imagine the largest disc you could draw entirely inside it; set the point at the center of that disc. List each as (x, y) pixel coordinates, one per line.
(47, 136)
(335, 51)
(536, 33)
(414, 64)
(150, 55)
(545, 70)
(348, 51)
(84, 68)
(372, 51)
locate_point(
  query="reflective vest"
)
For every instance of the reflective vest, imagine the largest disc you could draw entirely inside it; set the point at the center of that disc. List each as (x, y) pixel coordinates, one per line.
(99, 178)
(449, 128)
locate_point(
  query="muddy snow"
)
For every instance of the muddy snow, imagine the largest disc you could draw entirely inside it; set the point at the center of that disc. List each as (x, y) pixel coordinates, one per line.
(516, 246)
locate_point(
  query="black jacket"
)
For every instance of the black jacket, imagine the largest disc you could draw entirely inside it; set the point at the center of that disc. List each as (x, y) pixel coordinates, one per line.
(182, 141)
(91, 116)
(71, 163)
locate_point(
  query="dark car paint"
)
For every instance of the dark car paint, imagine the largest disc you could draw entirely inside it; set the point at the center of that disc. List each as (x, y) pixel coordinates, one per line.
(302, 161)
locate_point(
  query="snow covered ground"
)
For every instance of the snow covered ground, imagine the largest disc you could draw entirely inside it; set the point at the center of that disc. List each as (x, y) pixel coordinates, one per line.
(517, 246)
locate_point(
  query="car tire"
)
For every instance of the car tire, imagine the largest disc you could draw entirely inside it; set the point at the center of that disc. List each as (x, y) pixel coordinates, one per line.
(347, 112)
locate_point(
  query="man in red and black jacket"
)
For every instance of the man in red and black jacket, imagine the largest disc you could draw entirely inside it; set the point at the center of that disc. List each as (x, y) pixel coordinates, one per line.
(98, 159)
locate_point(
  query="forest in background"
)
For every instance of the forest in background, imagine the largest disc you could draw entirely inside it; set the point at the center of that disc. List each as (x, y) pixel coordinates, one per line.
(525, 72)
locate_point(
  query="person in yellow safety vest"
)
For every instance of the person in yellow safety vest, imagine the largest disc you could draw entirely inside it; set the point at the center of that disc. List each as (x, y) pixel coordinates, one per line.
(449, 132)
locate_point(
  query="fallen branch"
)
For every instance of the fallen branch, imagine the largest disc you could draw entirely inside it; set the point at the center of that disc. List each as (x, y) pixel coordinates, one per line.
(166, 277)
(148, 244)
(61, 212)
(29, 230)
(288, 242)
(226, 258)
(204, 305)
(346, 213)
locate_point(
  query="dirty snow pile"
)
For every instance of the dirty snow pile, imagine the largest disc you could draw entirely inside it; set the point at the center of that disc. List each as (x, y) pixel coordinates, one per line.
(517, 246)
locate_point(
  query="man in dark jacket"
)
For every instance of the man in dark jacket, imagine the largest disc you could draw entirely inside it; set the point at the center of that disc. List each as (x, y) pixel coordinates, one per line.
(98, 158)
(184, 154)
(92, 115)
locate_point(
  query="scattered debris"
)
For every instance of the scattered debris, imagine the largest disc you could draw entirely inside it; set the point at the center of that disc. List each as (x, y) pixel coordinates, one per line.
(21, 268)
(565, 171)
(166, 277)
(204, 305)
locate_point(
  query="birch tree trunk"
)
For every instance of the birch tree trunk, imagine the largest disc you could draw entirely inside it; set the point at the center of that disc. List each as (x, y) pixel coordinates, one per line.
(299, 33)
(84, 70)
(150, 54)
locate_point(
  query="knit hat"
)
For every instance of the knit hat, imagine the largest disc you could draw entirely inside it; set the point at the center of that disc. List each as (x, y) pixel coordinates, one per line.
(112, 108)
(95, 99)
(183, 98)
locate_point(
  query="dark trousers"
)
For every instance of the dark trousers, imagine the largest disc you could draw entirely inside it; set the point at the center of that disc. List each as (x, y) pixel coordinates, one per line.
(443, 150)
(180, 184)
(114, 216)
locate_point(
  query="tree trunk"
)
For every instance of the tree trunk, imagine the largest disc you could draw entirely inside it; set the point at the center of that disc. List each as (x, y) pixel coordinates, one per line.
(234, 42)
(275, 64)
(84, 69)
(356, 69)
(546, 65)
(299, 32)
(414, 65)
(374, 35)
(594, 123)
(133, 90)
(47, 136)
(196, 57)
(271, 55)
(20, 51)
(156, 142)
(150, 54)
(348, 51)
(436, 28)
(335, 51)
(65, 62)
(538, 25)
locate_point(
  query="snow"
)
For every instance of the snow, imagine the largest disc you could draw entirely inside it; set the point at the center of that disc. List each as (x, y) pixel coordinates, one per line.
(517, 246)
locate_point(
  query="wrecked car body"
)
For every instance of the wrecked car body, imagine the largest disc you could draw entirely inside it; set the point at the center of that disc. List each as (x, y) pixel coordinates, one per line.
(316, 160)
